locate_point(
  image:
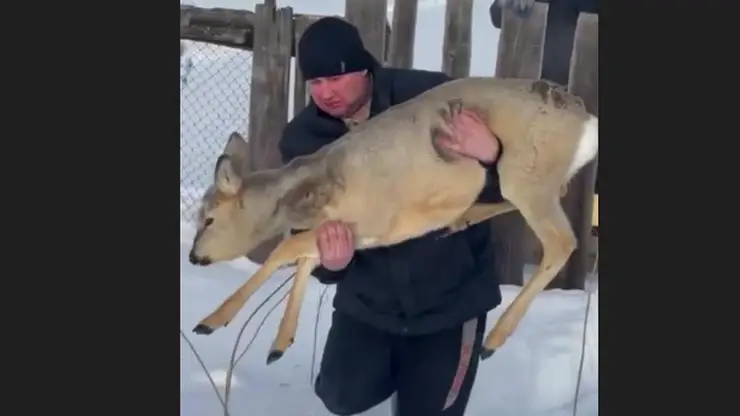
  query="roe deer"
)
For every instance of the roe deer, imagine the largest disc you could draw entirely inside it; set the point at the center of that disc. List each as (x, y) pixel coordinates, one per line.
(390, 182)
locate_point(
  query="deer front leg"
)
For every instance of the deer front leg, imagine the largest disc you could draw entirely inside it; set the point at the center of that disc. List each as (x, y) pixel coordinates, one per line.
(478, 213)
(287, 252)
(549, 223)
(289, 322)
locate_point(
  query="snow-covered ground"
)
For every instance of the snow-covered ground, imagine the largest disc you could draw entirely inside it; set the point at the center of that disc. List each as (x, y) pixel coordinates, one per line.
(534, 374)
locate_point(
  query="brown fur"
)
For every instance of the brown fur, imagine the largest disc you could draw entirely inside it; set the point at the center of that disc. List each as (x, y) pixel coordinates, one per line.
(388, 180)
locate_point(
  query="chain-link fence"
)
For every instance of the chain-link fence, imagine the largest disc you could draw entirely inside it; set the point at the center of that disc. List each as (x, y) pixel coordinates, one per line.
(214, 102)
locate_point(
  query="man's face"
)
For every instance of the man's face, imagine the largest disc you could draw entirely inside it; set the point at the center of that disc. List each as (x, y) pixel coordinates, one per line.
(339, 95)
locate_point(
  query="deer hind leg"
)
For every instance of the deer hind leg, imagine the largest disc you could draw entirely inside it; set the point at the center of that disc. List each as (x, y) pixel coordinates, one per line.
(477, 214)
(287, 252)
(551, 226)
(289, 322)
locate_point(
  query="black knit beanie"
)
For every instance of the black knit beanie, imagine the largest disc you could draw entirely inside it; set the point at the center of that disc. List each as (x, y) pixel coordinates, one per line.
(332, 46)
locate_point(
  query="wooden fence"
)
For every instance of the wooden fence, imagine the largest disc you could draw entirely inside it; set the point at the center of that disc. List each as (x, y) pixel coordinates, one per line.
(272, 34)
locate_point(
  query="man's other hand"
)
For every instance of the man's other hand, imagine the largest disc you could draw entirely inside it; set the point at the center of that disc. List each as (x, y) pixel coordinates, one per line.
(336, 245)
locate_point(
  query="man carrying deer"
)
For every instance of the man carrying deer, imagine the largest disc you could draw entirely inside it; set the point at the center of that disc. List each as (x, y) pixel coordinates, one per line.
(409, 319)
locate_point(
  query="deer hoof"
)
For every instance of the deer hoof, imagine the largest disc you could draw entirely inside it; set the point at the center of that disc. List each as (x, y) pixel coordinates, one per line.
(486, 353)
(201, 329)
(274, 355)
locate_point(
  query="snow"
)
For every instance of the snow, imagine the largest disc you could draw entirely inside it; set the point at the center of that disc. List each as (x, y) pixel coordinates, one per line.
(534, 374)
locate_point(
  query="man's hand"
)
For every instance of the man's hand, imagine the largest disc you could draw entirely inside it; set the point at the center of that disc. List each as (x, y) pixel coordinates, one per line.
(336, 245)
(470, 137)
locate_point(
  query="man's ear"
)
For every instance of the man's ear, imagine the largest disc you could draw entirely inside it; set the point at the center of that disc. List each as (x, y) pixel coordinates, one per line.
(227, 178)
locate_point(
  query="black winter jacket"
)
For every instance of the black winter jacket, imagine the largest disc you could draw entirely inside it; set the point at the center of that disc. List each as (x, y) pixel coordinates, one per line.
(421, 285)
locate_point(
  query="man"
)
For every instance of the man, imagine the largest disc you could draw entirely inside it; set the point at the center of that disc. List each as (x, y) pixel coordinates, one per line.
(409, 319)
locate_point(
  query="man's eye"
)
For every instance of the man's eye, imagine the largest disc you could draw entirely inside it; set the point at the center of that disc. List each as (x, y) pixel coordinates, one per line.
(207, 222)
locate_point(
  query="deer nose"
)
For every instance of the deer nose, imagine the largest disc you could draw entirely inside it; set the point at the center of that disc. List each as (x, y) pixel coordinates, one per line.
(198, 261)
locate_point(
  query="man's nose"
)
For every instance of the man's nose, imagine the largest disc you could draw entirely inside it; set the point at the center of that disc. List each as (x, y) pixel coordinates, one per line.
(325, 93)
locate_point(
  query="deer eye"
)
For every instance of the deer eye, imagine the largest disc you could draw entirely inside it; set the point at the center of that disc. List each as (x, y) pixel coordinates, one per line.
(208, 222)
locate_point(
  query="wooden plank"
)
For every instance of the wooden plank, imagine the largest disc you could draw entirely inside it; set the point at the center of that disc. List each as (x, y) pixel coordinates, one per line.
(403, 34)
(522, 43)
(584, 67)
(259, 100)
(519, 55)
(458, 31)
(369, 16)
(269, 94)
(225, 27)
(280, 52)
(595, 212)
(578, 203)
(300, 94)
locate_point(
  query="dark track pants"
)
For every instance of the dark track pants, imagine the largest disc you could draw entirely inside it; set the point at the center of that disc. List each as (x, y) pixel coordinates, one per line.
(432, 375)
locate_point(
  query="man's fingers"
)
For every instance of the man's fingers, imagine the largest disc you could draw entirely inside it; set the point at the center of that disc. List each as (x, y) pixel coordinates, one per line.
(335, 241)
(475, 118)
(349, 239)
(458, 118)
(468, 120)
(465, 121)
(470, 114)
(446, 139)
(449, 143)
(323, 242)
(342, 240)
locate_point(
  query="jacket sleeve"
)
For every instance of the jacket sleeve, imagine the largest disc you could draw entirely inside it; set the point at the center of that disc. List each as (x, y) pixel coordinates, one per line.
(289, 146)
(495, 12)
(491, 192)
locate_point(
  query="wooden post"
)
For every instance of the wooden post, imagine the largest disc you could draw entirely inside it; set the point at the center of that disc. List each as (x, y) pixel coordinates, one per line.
(258, 99)
(300, 95)
(520, 49)
(369, 16)
(578, 203)
(268, 107)
(458, 30)
(403, 32)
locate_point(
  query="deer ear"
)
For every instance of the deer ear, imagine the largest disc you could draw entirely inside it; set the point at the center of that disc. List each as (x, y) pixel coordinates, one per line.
(227, 178)
(236, 147)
